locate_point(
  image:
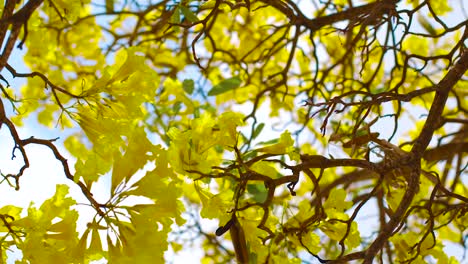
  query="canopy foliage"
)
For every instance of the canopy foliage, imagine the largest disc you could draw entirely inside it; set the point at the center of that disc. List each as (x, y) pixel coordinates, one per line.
(313, 131)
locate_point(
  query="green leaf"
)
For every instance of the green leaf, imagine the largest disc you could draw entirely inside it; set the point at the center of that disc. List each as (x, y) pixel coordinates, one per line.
(176, 107)
(258, 130)
(361, 132)
(258, 191)
(189, 15)
(188, 85)
(252, 255)
(249, 155)
(175, 18)
(272, 141)
(427, 25)
(378, 90)
(244, 138)
(196, 112)
(225, 85)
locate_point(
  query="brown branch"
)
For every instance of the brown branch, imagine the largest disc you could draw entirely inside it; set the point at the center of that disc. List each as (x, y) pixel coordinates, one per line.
(18, 145)
(7, 12)
(317, 161)
(66, 169)
(24, 13)
(432, 121)
(445, 152)
(44, 78)
(18, 19)
(443, 89)
(375, 9)
(21, 143)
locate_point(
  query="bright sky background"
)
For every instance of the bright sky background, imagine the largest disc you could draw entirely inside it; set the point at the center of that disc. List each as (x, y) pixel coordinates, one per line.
(38, 182)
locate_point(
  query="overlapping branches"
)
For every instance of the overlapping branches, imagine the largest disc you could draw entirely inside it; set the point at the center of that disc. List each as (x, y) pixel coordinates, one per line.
(335, 71)
(10, 24)
(339, 87)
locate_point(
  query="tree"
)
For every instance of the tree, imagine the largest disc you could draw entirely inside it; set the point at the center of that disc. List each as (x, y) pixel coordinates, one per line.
(297, 126)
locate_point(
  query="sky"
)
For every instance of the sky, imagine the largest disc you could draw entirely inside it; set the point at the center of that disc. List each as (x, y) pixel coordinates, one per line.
(38, 182)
